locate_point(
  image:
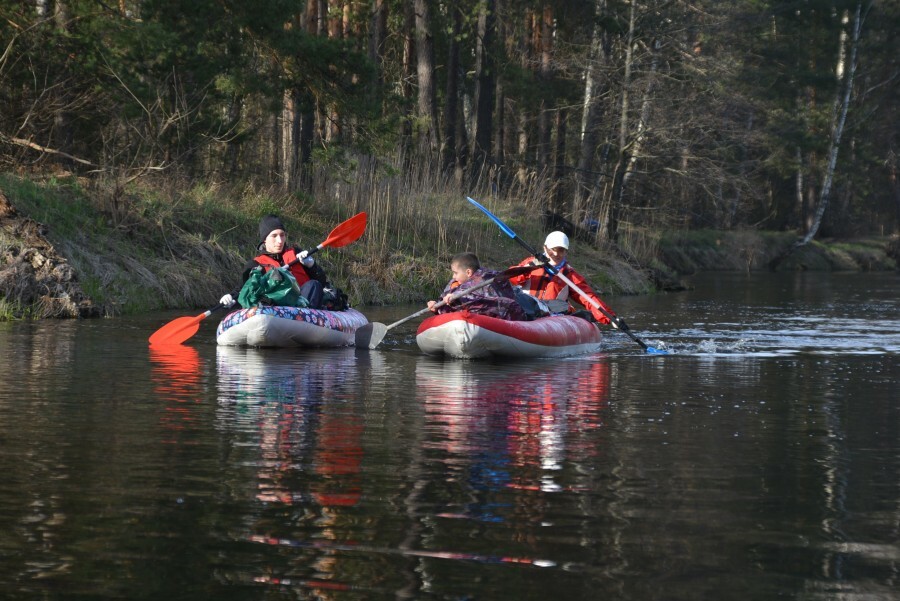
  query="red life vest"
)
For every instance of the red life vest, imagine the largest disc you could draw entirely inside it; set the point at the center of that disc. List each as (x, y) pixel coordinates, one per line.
(542, 285)
(287, 256)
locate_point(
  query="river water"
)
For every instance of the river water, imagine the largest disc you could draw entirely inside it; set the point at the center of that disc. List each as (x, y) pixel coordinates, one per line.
(759, 459)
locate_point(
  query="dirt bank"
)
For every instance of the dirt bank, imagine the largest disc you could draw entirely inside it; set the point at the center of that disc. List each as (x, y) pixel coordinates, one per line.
(34, 279)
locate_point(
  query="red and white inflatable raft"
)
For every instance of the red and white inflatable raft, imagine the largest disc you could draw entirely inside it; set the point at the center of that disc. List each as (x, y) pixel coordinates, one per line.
(465, 335)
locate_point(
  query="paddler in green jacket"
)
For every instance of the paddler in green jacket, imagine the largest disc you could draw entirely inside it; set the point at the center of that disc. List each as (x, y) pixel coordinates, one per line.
(276, 252)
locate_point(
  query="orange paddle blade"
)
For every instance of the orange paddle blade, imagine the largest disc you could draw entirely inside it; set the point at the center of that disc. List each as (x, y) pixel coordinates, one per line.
(180, 329)
(177, 331)
(346, 232)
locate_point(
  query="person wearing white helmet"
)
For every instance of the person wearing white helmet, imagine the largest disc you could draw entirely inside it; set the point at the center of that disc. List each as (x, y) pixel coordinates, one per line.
(546, 287)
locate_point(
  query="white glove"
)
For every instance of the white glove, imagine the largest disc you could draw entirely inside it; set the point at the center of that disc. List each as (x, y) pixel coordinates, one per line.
(227, 300)
(306, 259)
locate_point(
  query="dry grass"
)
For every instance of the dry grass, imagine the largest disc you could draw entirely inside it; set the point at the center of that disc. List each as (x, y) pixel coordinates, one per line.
(182, 244)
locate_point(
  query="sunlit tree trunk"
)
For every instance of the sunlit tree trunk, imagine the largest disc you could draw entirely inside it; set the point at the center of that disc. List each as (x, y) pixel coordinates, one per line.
(624, 158)
(845, 71)
(558, 202)
(485, 85)
(525, 53)
(449, 149)
(290, 122)
(592, 107)
(545, 42)
(427, 99)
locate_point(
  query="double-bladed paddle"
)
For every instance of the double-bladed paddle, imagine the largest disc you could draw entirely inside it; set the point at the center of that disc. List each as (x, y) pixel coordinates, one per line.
(180, 329)
(371, 334)
(553, 271)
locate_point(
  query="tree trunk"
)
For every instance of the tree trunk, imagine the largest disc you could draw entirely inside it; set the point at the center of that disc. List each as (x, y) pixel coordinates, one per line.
(799, 197)
(232, 149)
(618, 188)
(640, 129)
(558, 202)
(451, 103)
(592, 108)
(545, 75)
(408, 65)
(427, 99)
(499, 151)
(839, 118)
(845, 72)
(485, 86)
(377, 39)
(290, 130)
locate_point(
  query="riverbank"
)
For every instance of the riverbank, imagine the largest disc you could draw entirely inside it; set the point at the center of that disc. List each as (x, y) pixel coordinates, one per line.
(72, 248)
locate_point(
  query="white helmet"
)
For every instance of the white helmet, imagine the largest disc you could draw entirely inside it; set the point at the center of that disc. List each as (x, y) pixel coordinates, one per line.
(556, 239)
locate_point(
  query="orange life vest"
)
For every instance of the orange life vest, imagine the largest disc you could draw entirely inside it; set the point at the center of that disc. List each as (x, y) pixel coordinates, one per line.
(287, 256)
(542, 285)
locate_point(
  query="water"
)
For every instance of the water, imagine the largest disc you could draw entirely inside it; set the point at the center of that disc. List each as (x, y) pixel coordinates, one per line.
(759, 459)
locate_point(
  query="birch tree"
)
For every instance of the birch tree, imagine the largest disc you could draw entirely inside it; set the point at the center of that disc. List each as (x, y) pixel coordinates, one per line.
(844, 72)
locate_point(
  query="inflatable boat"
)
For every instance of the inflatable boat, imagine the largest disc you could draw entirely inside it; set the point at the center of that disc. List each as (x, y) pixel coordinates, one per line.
(266, 326)
(465, 335)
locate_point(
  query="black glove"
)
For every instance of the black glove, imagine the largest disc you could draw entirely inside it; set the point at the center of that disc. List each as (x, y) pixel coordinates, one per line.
(620, 324)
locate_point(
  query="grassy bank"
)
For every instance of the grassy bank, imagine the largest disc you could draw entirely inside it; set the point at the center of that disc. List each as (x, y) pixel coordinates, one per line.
(169, 244)
(708, 250)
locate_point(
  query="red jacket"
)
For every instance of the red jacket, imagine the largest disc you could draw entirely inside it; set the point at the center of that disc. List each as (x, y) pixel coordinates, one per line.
(540, 284)
(287, 256)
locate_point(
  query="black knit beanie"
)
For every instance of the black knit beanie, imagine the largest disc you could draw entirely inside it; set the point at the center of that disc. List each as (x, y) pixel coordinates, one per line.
(267, 225)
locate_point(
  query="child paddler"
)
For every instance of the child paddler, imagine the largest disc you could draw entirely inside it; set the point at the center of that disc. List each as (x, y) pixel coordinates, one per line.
(496, 300)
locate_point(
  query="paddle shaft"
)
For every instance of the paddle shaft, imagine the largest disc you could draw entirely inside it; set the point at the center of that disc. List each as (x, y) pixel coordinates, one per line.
(553, 271)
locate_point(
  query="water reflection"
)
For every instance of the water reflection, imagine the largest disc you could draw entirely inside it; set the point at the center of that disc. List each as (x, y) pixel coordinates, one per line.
(299, 409)
(509, 436)
(177, 375)
(295, 420)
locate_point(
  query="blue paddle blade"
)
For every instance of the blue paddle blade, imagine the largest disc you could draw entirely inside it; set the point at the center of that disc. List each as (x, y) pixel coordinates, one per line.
(493, 217)
(656, 351)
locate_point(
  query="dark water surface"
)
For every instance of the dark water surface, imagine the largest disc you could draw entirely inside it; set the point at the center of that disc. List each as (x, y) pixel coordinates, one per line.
(760, 459)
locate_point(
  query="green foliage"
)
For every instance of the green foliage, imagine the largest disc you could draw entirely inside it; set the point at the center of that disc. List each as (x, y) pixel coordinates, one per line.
(722, 97)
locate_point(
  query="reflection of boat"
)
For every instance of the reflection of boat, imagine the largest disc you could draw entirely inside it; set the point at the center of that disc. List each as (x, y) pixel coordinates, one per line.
(291, 412)
(511, 426)
(466, 335)
(289, 327)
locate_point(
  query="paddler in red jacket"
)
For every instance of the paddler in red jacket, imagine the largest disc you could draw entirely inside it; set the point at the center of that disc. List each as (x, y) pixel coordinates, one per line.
(276, 252)
(546, 287)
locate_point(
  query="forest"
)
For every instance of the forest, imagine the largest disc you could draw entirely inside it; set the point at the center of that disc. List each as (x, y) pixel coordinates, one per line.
(614, 114)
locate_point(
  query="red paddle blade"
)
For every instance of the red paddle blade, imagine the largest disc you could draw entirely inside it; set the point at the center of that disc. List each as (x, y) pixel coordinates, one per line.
(346, 232)
(178, 330)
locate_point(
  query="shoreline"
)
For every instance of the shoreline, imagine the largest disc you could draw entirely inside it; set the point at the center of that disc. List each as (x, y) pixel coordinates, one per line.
(63, 255)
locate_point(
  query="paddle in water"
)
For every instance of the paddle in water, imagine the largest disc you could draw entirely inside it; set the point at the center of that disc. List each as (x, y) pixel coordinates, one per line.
(180, 329)
(371, 334)
(553, 271)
